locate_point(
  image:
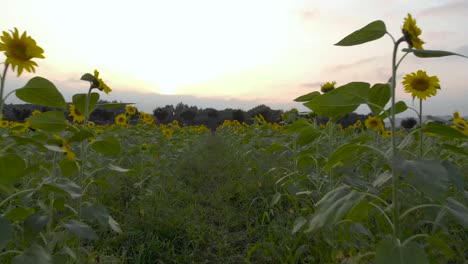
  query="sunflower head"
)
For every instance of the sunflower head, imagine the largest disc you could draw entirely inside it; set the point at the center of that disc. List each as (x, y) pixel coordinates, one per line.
(411, 32)
(20, 50)
(99, 83)
(131, 110)
(121, 120)
(461, 125)
(374, 123)
(78, 117)
(421, 85)
(327, 87)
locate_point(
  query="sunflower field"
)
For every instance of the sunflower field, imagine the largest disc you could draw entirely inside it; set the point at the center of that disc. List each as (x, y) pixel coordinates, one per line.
(137, 191)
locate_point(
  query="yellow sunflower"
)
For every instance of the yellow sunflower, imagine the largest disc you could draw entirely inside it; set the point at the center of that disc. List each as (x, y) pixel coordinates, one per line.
(19, 50)
(461, 125)
(167, 132)
(456, 115)
(77, 116)
(121, 120)
(387, 134)
(100, 84)
(65, 146)
(36, 112)
(374, 123)
(131, 110)
(411, 32)
(90, 125)
(327, 87)
(421, 85)
(4, 123)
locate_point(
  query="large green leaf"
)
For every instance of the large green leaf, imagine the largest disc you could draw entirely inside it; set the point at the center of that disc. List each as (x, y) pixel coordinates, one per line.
(390, 252)
(307, 135)
(34, 255)
(68, 167)
(6, 229)
(34, 224)
(68, 187)
(351, 149)
(82, 134)
(41, 91)
(443, 130)
(432, 53)
(80, 229)
(52, 121)
(340, 101)
(428, 176)
(11, 167)
(333, 206)
(370, 32)
(458, 211)
(108, 146)
(307, 97)
(80, 102)
(379, 95)
(112, 105)
(19, 213)
(400, 107)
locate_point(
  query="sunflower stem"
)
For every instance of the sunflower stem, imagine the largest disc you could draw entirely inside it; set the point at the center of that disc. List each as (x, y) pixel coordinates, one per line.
(421, 134)
(395, 183)
(2, 86)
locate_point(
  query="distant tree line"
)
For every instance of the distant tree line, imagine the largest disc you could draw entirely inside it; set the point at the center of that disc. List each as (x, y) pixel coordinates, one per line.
(191, 115)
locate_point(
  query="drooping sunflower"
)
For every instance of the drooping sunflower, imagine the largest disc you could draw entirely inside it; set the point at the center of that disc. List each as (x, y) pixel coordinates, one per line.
(65, 146)
(90, 125)
(78, 117)
(20, 50)
(121, 120)
(100, 84)
(131, 110)
(411, 32)
(374, 123)
(327, 87)
(421, 85)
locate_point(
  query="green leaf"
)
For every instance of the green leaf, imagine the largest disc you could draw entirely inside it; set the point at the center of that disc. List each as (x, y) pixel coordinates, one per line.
(443, 130)
(352, 149)
(454, 175)
(389, 252)
(340, 101)
(41, 91)
(379, 95)
(68, 187)
(274, 147)
(107, 146)
(436, 243)
(68, 167)
(370, 32)
(299, 125)
(428, 176)
(400, 107)
(307, 97)
(82, 134)
(114, 225)
(88, 77)
(54, 148)
(52, 121)
(307, 136)
(117, 168)
(33, 255)
(18, 214)
(432, 53)
(34, 224)
(80, 229)
(298, 224)
(458, 211)
(11, 167)
(333, 206)
(113, 105)
(80, 101)
(454, 149)
(7, 231)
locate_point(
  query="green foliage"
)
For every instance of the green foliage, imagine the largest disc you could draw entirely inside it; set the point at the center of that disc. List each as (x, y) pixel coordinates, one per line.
(41, 91)
(370, 32)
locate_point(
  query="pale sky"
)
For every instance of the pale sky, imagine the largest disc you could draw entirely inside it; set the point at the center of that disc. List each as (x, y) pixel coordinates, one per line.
(234, 53)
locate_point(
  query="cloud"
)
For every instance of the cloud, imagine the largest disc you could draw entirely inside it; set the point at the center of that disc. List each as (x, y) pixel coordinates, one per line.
(455, 8)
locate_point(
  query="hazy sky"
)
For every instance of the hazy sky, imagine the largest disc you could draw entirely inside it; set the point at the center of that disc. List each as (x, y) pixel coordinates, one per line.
(234, 53)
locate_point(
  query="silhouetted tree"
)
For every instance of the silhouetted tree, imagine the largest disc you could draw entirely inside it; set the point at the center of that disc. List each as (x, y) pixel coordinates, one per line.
(212, 113)
(161, 113)
(188, 114)
(238, 115)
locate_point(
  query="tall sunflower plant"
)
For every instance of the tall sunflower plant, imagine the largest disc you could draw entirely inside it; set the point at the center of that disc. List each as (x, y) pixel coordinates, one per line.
(439, 183)
(37, 216)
